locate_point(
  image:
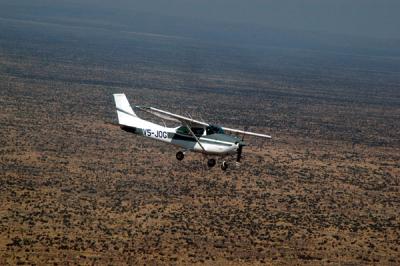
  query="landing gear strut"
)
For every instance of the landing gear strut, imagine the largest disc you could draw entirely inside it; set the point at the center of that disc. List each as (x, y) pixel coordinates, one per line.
(224, 166)
(211, 162)
(180, 155)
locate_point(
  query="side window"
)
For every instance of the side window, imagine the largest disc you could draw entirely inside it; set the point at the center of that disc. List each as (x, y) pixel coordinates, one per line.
(183, 130)
(214, 130)
(198, 131)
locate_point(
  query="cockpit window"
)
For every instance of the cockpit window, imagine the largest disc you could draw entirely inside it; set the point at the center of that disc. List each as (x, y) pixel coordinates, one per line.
(183, 130)
(198, 131)
(214, 130)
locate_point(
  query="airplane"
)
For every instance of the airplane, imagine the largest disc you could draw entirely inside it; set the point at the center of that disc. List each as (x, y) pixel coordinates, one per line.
(191, 135)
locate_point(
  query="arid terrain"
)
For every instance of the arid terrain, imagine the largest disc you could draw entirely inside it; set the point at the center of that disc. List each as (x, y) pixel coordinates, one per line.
(76, 189)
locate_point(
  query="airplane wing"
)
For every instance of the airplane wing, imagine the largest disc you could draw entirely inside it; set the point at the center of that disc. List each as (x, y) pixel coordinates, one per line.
(188, 122)
(192, 122)
(246, 132)
(172, 117)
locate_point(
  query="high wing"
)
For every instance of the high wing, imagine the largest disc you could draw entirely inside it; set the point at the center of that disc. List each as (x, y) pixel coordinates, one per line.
(172, 117)
(188, 122)
(246, 133)
(192, 122)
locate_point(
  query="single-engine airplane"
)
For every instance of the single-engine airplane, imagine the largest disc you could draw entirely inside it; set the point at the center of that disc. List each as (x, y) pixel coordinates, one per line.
(192, 135)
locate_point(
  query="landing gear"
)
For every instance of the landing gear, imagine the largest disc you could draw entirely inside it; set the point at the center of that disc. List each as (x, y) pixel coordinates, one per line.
(224, 166)
(211, 162)
(180, 155)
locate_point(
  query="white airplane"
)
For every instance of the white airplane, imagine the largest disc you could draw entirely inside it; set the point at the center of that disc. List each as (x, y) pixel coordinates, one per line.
(192, 135)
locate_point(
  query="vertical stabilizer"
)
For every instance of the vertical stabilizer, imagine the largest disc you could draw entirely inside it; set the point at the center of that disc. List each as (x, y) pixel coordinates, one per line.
(126, 116)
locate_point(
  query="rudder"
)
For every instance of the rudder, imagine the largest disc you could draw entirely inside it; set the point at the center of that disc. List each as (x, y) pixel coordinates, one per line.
(126, 116)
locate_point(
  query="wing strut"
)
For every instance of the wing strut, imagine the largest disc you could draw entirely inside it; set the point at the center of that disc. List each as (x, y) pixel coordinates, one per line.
(197, 139)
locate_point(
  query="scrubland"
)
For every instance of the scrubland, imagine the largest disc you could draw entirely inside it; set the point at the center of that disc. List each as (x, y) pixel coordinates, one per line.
(76, 189)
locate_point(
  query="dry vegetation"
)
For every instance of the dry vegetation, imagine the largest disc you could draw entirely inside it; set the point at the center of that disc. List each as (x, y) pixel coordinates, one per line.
(325, 190)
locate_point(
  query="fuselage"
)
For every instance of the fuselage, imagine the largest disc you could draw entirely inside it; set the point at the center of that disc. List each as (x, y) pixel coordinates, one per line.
(207, 139)
(213, 143)
(192, 135)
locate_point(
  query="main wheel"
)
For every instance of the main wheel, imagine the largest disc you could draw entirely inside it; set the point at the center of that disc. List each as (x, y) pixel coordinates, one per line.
(211, 162)
(224, 166)
(180, 156)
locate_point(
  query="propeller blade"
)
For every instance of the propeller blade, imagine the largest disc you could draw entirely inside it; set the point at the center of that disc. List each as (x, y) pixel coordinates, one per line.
(239, 153)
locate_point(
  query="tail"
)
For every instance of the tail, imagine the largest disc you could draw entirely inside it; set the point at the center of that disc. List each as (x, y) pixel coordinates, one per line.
(126, 116)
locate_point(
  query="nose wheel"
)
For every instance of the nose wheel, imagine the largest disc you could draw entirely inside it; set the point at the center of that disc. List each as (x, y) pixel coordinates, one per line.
(224, 166)
(180, 155)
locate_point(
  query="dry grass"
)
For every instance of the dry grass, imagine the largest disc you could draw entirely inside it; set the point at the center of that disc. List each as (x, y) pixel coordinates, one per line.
(325, 190)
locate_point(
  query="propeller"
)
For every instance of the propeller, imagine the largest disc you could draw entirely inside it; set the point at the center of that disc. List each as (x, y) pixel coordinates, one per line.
(239, 153)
